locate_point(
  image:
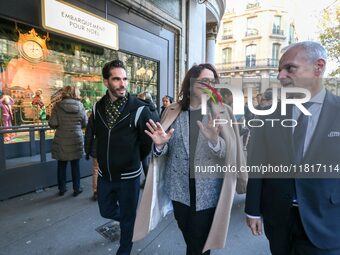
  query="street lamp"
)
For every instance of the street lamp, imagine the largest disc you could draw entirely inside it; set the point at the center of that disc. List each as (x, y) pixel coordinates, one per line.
(144, 74)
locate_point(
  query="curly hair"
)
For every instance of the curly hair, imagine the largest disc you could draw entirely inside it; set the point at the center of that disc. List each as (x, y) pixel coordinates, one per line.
(106, 71)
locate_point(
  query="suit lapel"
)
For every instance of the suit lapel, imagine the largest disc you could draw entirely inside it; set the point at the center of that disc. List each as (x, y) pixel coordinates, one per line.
(326, 119)
(170, 115)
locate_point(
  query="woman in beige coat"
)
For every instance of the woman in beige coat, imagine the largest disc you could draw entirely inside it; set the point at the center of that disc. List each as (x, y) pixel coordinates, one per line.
(201, 201)
(68, 118)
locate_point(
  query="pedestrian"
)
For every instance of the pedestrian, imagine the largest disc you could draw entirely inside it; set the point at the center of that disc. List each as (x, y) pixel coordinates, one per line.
(267, 98)
(185, 140)
(119, 124)
(68, 118)
(300, 215)
(6, 103)
(91, 151)
(166, 101)
(227, 98)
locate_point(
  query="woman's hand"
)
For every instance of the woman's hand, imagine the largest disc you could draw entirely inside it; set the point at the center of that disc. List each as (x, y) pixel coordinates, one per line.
(157, 134)
(209, 131)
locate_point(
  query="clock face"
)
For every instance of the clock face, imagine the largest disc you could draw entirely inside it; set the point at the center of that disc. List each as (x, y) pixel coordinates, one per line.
(32, 50)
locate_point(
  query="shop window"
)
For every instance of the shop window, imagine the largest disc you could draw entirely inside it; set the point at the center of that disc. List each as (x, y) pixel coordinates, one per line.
(67, 62)
(3, 46)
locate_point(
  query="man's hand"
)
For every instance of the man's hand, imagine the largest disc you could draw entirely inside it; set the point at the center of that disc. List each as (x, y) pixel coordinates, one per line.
(255, 226)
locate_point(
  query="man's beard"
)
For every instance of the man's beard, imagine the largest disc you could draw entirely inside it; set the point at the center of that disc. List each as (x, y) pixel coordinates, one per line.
(115, 93)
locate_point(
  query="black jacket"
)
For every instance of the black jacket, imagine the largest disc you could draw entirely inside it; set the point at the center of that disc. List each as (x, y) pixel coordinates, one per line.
(121, 149)
(90, 143)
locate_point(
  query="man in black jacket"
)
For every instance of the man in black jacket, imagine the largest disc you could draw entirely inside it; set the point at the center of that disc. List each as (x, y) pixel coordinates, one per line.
(119, 122)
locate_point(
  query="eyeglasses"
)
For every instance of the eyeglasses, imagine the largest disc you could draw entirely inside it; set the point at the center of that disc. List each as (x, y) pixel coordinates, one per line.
(206, 81)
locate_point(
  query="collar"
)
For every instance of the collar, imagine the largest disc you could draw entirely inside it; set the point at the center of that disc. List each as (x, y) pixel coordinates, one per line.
(319, 97)
(194, 108)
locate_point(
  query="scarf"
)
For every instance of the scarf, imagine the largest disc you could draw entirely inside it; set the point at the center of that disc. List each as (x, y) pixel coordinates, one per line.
(113, 109)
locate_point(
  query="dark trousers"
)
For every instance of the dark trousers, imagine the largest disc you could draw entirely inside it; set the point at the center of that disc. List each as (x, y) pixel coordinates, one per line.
(118, 200)
(291, 238)
(62, 165)
(194, 226)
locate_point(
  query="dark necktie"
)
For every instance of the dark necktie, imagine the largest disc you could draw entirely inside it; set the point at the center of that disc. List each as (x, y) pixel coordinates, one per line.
(299, 138)
(299, 135)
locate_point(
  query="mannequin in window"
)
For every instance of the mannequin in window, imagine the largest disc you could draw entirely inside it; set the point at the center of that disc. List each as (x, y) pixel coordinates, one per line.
(37, 104)
(6, 103)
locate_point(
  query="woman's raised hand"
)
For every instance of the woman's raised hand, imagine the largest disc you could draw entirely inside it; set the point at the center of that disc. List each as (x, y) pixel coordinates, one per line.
(210, 131)
(157, 133)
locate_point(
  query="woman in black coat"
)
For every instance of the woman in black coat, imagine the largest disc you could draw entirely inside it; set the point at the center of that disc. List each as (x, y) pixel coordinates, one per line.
(68, 118)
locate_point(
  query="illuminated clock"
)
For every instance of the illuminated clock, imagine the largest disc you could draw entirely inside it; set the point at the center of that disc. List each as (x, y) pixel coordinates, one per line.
(32, 47)
(32, 50)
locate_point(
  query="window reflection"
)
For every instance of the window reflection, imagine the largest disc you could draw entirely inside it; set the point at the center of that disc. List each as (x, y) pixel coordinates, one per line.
(67, 63)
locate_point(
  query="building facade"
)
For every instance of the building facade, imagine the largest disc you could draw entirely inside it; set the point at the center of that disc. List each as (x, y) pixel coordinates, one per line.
(250, 40)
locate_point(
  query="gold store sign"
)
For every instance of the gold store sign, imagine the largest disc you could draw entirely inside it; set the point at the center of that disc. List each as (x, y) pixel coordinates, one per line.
(70, 20)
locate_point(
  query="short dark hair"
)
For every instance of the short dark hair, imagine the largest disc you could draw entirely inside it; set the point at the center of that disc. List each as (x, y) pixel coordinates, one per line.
(106, 71)
(193, 72)
(169, 98)
(225, 92)
(268, 94)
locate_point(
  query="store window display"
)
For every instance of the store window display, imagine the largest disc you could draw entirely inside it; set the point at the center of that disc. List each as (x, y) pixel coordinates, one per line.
(37, 104)
(35, 84)
(6, 103)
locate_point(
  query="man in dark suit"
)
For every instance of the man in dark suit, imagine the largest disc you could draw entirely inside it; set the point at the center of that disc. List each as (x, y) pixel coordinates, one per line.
(300, 215)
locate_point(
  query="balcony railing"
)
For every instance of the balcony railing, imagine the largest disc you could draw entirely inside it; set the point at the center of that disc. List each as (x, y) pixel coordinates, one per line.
(252, 64)
(31, 130)
(251, 32)
(277, 31)
(226, 37)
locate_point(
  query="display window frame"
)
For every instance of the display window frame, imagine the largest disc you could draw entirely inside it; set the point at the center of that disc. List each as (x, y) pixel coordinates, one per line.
(65, 62)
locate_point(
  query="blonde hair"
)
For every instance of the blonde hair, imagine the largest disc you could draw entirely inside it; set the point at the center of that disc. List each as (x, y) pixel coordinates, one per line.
(71, 92)
(141, 95)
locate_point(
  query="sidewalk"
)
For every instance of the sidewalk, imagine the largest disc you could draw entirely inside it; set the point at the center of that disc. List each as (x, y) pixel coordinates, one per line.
(46, 224)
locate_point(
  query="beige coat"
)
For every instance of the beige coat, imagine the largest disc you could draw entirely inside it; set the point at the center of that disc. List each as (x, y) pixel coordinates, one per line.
(219, 228)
